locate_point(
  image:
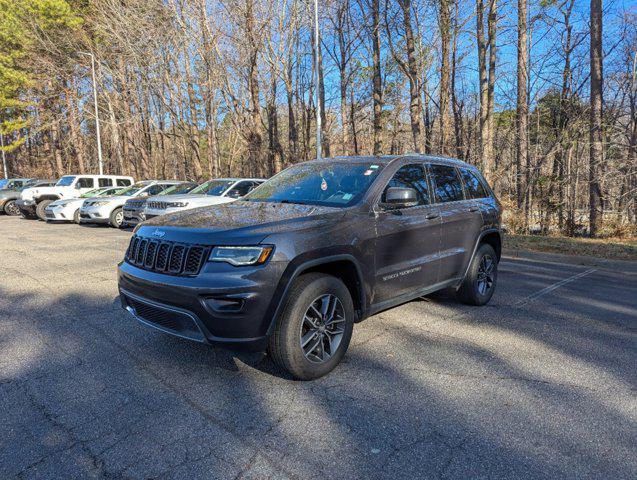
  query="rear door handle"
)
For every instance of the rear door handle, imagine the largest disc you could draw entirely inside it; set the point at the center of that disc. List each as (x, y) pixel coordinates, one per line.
(474, 209)
(431, 216)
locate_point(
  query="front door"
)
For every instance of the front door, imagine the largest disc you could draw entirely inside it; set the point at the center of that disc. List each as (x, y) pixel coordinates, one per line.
(407, 239)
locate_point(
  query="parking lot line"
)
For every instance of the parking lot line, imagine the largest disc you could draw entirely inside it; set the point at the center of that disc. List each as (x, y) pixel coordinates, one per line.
(555, 286)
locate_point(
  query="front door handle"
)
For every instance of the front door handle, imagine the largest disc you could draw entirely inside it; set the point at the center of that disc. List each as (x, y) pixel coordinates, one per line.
(474, 209)
(431, 216)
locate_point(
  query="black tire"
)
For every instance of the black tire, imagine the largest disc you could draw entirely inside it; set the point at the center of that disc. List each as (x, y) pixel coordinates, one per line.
(116, 218)
(479, 285)
(10, 208)
(285, 342)
(76, 216)
(39, 210)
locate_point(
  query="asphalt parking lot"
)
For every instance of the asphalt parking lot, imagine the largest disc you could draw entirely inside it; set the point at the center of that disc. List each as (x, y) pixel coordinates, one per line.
(541, 383)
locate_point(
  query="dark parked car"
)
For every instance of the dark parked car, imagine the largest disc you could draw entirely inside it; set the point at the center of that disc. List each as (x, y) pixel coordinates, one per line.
(324, 244)
(11, 193)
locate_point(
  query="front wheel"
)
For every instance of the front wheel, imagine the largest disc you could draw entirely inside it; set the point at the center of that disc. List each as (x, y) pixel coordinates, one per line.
(39, 210)
(479, 284)
(116, 218)
(312, 334)
(76, 216)
(10, 208)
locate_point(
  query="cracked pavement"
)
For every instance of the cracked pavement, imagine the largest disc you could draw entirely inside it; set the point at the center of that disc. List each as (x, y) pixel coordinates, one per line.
(530, 386)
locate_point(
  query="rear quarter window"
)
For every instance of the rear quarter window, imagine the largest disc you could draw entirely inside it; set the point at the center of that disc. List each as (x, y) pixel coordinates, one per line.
(472, 184)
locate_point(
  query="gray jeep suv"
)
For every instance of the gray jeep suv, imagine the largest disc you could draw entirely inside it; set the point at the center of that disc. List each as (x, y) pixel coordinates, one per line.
(320, 246)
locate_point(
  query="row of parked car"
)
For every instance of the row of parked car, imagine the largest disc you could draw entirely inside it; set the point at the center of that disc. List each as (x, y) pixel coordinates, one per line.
(114, 200)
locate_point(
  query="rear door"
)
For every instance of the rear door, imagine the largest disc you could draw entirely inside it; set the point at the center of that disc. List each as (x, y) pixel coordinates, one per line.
(407, 240)
(461, 220)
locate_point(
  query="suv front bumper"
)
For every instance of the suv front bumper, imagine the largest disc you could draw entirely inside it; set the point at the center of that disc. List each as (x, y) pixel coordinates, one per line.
(26, 206)
(133, 216)
(95, 214)
(224, 305)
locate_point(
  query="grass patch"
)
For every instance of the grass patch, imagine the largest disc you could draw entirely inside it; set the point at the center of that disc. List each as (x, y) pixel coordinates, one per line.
(610, 248)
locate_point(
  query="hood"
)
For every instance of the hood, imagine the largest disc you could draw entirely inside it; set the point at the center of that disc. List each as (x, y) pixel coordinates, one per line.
(7, 193)
(242, 219)
(68, 201)
(111, 200)
(63, 192)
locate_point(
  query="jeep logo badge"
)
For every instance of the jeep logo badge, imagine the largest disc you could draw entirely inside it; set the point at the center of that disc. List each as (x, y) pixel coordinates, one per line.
(158, 233)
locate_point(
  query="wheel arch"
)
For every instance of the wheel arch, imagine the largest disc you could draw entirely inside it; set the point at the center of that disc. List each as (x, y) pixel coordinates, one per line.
(345, 267)
(491, 236)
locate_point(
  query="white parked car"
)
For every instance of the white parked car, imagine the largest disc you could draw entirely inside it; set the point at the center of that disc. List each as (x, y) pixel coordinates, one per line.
(33, 201)
(109, 210)
(213, 192)
(69, 210)
(135, 208)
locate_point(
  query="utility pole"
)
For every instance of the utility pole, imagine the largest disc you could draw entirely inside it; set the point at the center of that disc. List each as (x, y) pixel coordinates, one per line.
(97, 117)
(4, 156)
(317, 46)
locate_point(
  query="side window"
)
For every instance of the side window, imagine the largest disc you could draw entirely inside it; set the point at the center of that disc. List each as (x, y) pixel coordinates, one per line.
(123, 182)
(447, 186)
(240, 189)
(411, 176)
(472, 184)
(105, 182)
(84, 182)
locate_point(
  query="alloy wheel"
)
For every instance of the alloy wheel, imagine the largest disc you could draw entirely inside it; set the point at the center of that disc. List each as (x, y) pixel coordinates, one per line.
(322, 329)
(119, 218)
(486, 274)
(12, 209)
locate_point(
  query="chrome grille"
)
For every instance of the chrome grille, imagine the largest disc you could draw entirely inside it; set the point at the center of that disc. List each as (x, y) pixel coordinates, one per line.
(134, 204)
(158, 205)
(166, 257)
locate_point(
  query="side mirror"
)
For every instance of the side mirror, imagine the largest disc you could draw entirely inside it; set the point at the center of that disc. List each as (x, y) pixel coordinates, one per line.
(398, 197)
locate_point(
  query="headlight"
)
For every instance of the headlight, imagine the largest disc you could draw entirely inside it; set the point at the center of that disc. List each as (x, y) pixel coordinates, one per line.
(240, 256)
(177, 204)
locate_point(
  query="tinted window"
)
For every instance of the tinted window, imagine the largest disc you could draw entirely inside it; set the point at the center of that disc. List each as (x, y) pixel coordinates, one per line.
(123, 182)
(66, 181)
(472, 185)
(447, 186)
(105, 182)
(240, 189)
(155, 189)
(85, 183)
(411, 176)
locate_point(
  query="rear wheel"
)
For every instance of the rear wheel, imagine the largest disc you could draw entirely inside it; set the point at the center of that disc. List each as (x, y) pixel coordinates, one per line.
(116, 218)
(10, 208)
(39, 211)
(313, 332)
(479, 284)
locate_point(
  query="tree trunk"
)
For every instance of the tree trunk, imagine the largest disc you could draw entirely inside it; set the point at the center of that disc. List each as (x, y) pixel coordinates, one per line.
(444, 24)
(377, 87)
(522, 116)
(596, 153)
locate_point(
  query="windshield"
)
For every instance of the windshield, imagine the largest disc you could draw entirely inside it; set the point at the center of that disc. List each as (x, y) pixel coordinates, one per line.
(110, 191)
(330, 184)
(213, 187)
(91, 193)
(65, 181)
(131, 191)
(178, 189)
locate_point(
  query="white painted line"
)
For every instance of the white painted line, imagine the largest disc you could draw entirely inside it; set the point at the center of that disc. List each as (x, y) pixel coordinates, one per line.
(555, 286)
